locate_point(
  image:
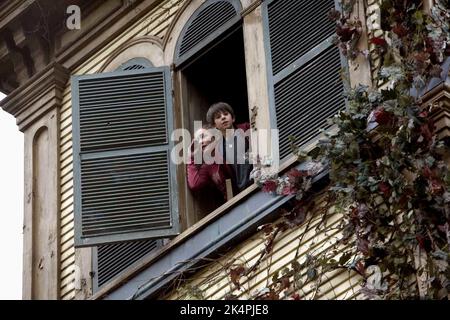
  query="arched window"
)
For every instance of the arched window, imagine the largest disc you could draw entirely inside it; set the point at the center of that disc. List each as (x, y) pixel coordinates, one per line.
(209, 61)
(135, 64)
(208, 22)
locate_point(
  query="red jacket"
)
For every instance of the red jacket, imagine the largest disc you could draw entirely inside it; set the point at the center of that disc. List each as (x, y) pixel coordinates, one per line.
(200, 176)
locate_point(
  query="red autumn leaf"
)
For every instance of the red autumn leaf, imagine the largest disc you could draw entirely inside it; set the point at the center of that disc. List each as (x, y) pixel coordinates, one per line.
(360, 268)
(236, 274)
(378, 41)
(427, 173)
(435, 186)
(345, 33)
(385, 188)
(421, 57)
(423, 114)
(426, 131)
(295, 296)
(272, 295)
(285, 283)
(269, 186)
(400, 30)
(382, 116)
(421, 240)
(295, 173)
(287, 190)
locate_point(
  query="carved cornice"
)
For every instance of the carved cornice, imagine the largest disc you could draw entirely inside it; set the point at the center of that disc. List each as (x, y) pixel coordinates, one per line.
(11, 10)
(38, 95)
(73, 53)
(439, 99)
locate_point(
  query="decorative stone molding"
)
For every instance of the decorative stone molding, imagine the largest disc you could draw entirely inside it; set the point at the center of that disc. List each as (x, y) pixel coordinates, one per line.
(148, 47)
(74, 52)
(11, 10)
(37, 96)
(171, 38)
(439, 99)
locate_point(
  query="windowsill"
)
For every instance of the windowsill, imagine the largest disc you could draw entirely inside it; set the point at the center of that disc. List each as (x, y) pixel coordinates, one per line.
(437, 93)
(181, 238)
(194, 229)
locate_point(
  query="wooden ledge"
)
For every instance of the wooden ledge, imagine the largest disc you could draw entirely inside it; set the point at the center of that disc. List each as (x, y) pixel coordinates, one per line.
(193, 230)
(10, 10)
(178, 240)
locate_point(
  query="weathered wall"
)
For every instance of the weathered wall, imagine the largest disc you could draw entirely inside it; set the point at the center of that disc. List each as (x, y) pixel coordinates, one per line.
(44, 230)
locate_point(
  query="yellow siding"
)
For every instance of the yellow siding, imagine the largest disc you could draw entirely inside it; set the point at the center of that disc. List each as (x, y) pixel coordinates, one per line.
(214, 283)
(155, 23)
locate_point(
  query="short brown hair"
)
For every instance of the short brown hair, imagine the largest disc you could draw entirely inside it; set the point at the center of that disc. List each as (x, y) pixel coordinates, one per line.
(216, 108)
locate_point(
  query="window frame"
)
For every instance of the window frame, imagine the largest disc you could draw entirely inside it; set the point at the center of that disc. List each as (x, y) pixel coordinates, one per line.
(178, 59)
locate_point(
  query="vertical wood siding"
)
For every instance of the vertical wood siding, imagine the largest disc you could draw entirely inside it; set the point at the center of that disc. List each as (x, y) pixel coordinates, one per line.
(155, 23)
(214, 282)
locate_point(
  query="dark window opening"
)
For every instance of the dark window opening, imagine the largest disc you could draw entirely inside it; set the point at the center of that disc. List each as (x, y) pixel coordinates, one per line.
(216, 74)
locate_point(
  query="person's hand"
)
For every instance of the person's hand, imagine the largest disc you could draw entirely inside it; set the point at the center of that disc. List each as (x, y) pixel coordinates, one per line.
(195, 150)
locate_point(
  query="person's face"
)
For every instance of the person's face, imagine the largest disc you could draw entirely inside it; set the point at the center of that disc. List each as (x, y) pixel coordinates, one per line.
(223, 120)
(204, 137)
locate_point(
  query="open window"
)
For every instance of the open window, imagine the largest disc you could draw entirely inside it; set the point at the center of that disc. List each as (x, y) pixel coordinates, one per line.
(210, 62)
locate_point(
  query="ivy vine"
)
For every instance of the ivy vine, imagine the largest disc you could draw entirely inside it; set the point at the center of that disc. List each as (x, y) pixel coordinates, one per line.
(388, 172)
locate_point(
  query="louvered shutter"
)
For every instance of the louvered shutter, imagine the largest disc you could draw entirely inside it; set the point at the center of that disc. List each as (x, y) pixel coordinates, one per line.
(136, 64)
(209, 21)
(111, 259)
(124, 182)
(304, 68)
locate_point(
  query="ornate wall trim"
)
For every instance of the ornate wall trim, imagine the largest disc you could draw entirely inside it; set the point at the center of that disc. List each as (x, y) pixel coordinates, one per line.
(36, 97)
(148, 47)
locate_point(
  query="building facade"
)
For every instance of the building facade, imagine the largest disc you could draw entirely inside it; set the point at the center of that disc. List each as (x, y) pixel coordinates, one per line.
(107, 215)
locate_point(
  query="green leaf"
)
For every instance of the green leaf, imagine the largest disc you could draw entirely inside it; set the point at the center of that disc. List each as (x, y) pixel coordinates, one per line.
(418, 17)
(344, 258)
(311, 273)
(275, 277)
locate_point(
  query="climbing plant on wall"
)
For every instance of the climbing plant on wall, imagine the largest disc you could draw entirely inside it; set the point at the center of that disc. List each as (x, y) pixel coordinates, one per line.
(387, 169)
